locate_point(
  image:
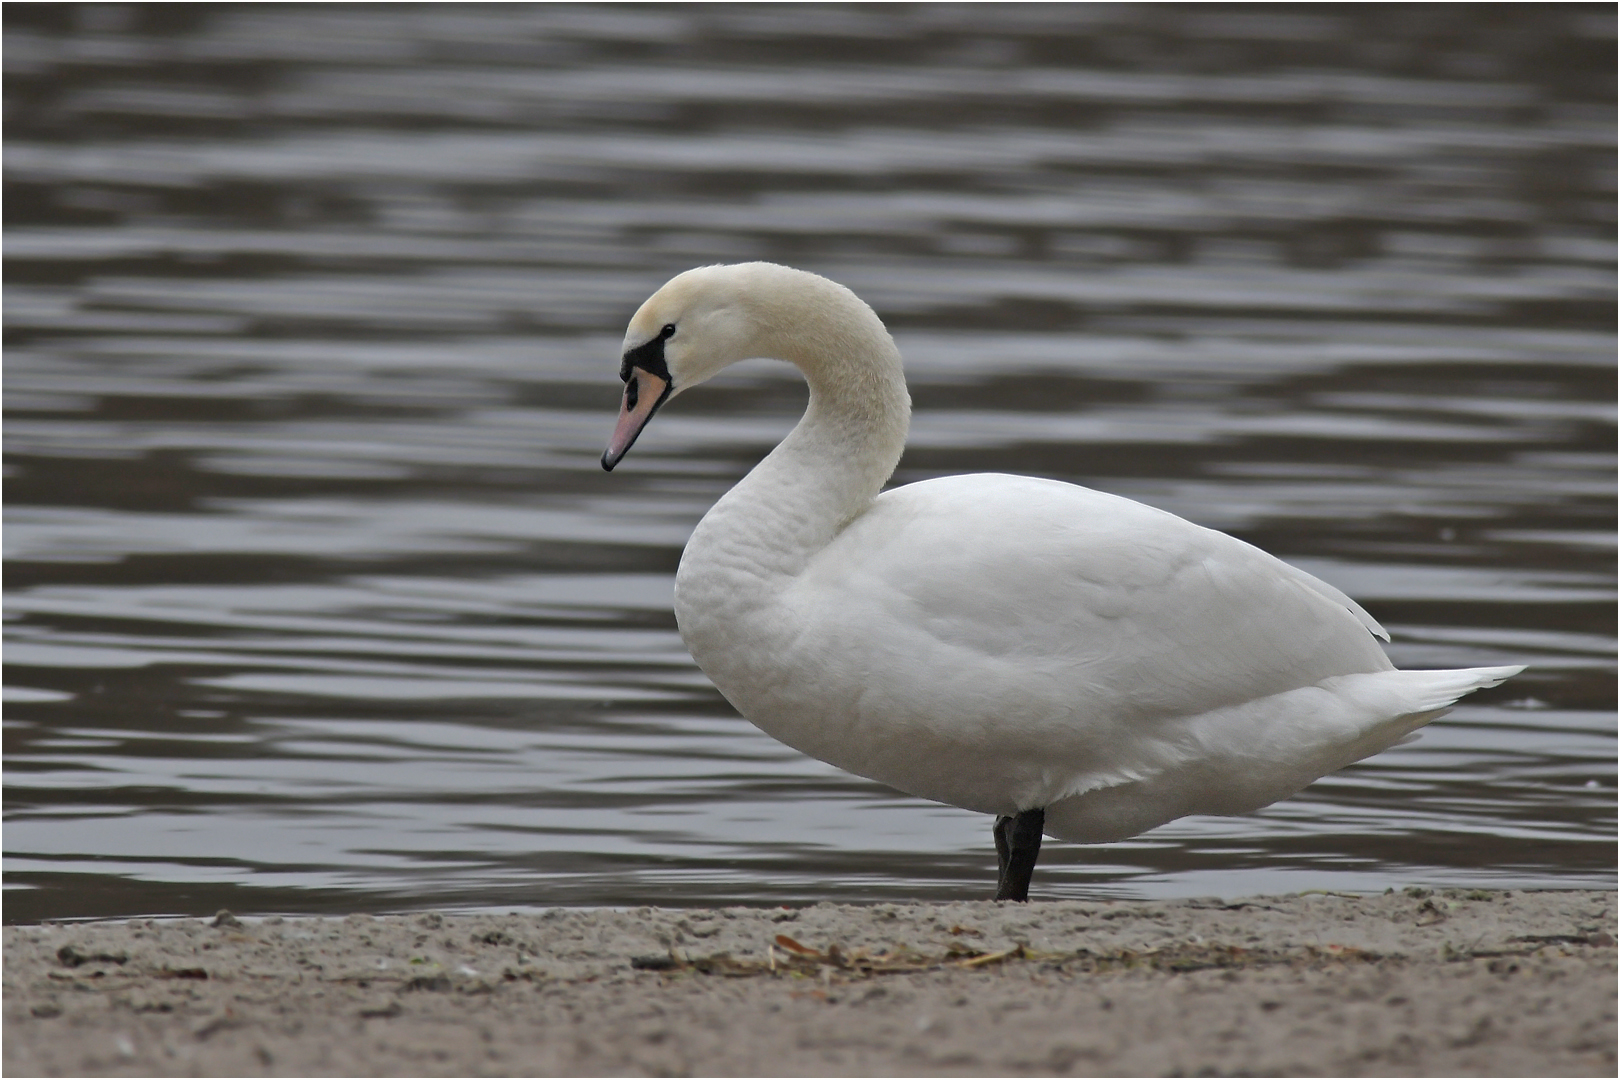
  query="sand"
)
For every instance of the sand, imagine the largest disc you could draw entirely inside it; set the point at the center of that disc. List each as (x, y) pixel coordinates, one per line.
(1451, 983)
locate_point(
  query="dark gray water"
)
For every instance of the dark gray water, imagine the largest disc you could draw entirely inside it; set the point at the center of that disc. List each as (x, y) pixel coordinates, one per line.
(317, 600)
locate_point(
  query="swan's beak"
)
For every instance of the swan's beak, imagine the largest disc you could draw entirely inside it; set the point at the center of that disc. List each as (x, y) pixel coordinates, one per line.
(643, 393)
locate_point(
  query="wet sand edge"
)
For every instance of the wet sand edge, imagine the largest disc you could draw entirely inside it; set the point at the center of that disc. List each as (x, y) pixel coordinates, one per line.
(1462, 982)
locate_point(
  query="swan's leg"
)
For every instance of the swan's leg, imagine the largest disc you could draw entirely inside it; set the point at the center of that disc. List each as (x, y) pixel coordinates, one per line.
(1002, 850)
(1018, 845)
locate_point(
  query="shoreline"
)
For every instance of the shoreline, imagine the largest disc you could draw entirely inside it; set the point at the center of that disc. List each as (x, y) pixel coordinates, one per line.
(1453, 982)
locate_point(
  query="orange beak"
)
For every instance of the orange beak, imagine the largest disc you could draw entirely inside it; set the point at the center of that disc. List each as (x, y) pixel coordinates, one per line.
(643, 393)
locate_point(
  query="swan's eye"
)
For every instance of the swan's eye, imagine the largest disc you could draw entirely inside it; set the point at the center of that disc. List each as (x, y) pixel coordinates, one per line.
(668, 331)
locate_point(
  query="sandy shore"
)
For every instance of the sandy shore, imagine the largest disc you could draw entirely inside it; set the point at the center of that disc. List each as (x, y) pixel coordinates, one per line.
(1455, 983)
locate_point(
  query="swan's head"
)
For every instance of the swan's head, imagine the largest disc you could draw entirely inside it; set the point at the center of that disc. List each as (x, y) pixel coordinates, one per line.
(699, 323)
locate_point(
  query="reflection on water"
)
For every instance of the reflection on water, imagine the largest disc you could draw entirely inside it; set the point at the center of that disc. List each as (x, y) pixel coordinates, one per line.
(318, 600)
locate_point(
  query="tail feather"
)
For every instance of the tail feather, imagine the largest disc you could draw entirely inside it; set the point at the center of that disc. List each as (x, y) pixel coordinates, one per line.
(1389, 706)
(1237, 759)
(1433, 690)
(1405, 701)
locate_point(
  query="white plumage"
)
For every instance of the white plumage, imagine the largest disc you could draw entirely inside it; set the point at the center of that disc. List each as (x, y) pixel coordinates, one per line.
(1000, 643)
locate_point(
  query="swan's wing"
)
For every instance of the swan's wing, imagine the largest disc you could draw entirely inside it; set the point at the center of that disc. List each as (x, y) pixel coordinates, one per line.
(1000, 642)
(1316, 583)
(1118, 607)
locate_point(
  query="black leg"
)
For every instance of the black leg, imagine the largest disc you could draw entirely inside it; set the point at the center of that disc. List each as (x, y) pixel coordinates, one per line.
(1002, 849)
(1018, 845)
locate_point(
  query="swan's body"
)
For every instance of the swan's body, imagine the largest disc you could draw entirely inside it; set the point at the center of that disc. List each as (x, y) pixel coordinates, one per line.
(1001, 643)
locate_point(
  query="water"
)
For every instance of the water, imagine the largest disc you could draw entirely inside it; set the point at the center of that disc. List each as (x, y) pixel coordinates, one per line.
(317, 599)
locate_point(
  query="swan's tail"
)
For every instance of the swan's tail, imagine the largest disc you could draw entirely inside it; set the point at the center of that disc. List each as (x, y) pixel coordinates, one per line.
(1349, 717)
(1431, 691)
(1237, 759)
(1407, 700)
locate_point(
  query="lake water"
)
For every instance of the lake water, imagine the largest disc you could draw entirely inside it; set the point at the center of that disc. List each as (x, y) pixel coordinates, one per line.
(317, 599)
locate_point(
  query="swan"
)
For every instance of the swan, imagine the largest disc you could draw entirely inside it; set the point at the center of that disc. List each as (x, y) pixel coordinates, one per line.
(1074, 663)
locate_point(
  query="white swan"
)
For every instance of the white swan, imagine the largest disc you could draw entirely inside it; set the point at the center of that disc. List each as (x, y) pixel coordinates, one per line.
(1070, 661)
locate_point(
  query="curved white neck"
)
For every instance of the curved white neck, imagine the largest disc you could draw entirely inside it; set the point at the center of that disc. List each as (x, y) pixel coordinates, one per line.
(830, 467)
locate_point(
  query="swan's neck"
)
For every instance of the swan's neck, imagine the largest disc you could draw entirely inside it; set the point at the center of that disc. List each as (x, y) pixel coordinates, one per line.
(829, 468)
